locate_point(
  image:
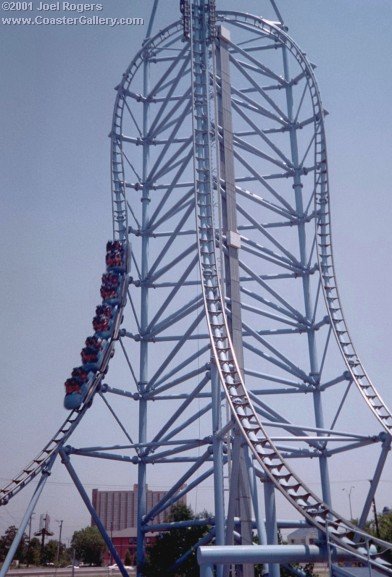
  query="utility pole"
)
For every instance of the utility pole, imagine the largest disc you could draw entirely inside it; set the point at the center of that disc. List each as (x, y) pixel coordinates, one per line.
(349, 500)
(375, 514)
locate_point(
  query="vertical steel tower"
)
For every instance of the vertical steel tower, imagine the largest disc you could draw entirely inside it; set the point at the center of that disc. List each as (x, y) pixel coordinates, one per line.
(238, 360)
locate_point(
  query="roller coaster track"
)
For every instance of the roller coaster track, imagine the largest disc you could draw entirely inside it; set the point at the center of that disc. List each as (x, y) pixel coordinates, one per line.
(58, 440)
(340, 532)
(323, 227)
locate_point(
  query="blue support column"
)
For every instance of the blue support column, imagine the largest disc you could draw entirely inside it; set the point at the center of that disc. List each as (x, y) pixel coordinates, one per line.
(26, 518)
(271, 525)
(206, 571)
(386, 447)
(313, 361)
(82, 492)
(217, 445)
(144, 321)
(241, 490)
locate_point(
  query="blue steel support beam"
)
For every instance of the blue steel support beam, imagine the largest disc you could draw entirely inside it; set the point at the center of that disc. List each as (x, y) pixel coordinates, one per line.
(169, 321)
(375, 481)
(177, 496)
(151, 21)
(188, 422)
(176, 487)
(180, 524)
(26, 518)
(231, 512)
(173, 293)
(157, 393)
(260, 554)
(203, 541)
(217, 444)
(67, 462)
(144, 321)
(174, 351)
(271, 526)
(161, 382)
(314, 366)
(189, 207)
(181, 409)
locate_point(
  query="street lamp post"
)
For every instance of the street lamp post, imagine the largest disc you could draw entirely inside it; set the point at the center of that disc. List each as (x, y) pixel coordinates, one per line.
(349, 500)
(59, 541)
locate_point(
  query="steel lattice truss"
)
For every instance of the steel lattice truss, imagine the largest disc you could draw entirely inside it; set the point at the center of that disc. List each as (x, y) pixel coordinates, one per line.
(232, 320)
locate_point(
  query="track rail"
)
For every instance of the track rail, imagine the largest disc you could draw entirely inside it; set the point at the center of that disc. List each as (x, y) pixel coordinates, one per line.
(332, 299)
(323, 227)
(58, 440)
(336, 529)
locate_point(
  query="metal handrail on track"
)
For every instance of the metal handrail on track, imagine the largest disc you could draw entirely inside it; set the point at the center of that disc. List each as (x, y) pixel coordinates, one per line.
(336, 529)
(58, 440)
(323, 228)
(332, 300)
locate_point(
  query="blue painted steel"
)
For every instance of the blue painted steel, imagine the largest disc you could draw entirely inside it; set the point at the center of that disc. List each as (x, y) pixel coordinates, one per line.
(386, 447)
(26, 518)
(180, 524)
(67, 462)
(217, 445)
(144, 320)
(271, 526)
(173, 493)
(203, 541)
(260, 554)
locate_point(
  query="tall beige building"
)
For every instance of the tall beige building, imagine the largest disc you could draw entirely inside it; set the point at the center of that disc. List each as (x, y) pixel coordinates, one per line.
(118, 509)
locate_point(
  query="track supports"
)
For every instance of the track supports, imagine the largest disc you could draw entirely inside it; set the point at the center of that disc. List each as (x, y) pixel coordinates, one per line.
(26, 518)
(271, 525)
(304, 259)
(82, 492)
(218, 457)
(386, 447)
(144, 319)
(240, 490)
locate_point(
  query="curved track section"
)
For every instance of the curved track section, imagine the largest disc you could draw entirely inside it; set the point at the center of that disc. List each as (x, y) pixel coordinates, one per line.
(58, 440)
(323, 229)
(340, 532)
(331, 295)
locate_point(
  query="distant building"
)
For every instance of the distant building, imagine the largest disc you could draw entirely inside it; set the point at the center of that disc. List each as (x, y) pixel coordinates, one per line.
(118, 509)
(309, 536)
(303, 536)
(125, 540)
(44, 522)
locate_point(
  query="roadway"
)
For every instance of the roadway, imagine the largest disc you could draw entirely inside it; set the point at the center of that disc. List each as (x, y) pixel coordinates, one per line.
(67, 572)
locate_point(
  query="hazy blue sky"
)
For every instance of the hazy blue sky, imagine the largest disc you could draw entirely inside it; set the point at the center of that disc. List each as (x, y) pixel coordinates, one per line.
(56, 106)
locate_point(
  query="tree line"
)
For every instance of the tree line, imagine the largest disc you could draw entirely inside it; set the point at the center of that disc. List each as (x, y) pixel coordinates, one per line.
(87, 546)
